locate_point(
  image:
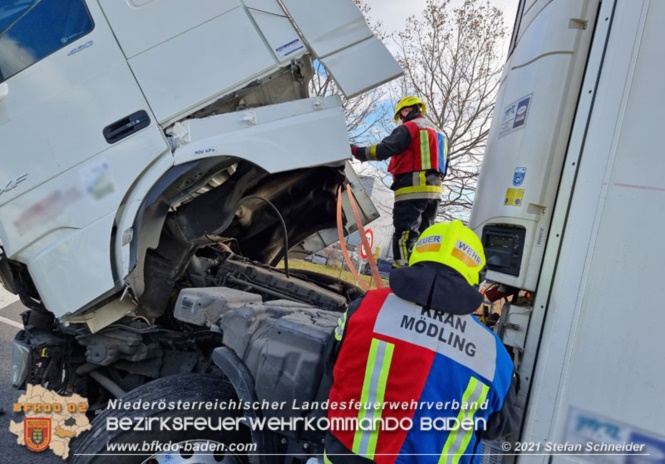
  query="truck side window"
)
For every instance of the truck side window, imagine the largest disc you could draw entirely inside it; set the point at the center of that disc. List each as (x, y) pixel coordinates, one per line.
(31, 30)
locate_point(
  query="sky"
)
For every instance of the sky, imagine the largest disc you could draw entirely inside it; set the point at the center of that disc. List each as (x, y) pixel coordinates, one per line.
(393, 13)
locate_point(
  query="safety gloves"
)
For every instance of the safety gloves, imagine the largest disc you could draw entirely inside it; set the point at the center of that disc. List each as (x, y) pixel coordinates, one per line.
(358, 153)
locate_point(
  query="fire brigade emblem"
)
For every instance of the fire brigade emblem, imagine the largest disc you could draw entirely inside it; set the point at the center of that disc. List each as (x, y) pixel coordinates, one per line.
(37, 433)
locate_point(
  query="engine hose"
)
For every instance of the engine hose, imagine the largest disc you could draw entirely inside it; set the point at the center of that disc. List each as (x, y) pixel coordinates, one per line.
(363, 238)
(284, 231)
(340, 234)
(108, 384)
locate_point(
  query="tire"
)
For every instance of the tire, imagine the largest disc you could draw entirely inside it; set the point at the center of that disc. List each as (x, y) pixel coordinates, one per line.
(91, 447)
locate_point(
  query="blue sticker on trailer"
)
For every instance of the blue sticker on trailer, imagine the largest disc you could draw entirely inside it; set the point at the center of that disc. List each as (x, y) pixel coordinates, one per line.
(653, 447)
(518, 177)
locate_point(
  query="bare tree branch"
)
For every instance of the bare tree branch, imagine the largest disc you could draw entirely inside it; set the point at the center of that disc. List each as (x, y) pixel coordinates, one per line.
(451, 58)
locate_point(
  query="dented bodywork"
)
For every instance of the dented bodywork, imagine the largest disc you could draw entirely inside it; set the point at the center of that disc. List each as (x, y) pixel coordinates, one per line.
(175, 160)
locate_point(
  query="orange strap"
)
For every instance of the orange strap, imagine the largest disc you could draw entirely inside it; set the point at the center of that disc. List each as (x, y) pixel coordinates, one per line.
(361, 230)
(340, 234)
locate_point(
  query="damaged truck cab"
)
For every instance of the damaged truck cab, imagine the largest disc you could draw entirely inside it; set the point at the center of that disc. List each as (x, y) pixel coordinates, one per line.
(158, 159)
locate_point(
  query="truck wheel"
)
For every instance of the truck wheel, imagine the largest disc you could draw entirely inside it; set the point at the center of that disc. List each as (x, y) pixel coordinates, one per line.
(149, 437)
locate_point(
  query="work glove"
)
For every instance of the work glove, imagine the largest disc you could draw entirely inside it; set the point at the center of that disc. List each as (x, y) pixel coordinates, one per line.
(357, 153)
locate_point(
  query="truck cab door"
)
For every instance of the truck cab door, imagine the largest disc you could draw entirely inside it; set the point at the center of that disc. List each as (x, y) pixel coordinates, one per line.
(338, 35)
(75, 132)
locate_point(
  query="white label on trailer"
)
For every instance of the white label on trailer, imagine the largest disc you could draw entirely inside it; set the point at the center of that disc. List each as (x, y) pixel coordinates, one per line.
(515, 116)
(620, 443)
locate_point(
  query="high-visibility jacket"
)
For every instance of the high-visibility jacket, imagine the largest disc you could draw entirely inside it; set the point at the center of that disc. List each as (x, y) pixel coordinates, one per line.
(427, 149)
(421, 368)
(418, 153)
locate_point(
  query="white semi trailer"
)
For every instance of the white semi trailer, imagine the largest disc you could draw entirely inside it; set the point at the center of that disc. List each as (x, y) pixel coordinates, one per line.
(571, 209)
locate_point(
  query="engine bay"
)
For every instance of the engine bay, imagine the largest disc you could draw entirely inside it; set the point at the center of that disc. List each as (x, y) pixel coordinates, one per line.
(222, 299)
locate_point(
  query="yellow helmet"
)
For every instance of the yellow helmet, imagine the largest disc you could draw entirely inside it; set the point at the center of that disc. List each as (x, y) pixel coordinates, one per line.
(409, 101)
(454, 245)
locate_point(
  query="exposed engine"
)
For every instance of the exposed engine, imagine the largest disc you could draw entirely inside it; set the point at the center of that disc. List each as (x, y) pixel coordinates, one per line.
(218, 292)
(214, 268)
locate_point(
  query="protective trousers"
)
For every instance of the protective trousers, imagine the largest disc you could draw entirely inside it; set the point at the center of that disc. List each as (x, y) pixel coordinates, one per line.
(410, 219)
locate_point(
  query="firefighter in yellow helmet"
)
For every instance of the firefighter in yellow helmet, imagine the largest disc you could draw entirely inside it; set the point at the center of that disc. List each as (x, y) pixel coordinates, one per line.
(418, 153)
(399, 349)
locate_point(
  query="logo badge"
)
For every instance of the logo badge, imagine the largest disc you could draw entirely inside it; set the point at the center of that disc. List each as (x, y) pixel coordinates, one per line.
(13, 183)
(518, 177)
(431, 243)
(466, 254)
(522, 109)
(37, 433)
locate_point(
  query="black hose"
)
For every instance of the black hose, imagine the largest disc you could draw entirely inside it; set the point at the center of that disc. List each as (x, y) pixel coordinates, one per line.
(286, 234)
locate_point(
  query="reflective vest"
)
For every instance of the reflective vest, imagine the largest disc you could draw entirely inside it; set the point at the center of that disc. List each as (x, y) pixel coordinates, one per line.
(428, 149)
(426, 371)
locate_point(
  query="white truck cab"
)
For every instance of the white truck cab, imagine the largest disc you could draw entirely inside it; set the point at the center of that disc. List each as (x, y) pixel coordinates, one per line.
(100, 100)
(158, 158)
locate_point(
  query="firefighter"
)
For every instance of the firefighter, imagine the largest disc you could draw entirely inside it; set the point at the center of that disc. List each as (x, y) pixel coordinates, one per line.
(420, 378)
(418, 152)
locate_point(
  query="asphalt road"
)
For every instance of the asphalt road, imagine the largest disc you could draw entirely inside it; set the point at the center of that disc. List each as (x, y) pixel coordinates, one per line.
(10, 451)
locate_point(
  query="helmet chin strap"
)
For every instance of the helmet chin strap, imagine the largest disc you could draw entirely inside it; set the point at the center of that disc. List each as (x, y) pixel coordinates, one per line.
(401, 118)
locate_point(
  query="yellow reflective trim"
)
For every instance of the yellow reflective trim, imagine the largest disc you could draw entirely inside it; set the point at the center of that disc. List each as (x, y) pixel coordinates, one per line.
(380, 395)
(422, 179)
(469, 414)
(373, 392)
(425, 161)
(369, 368)
(372, 153)
(405, 251)
(457, 442)
(419, 189)
(341, 325)
(326, 460)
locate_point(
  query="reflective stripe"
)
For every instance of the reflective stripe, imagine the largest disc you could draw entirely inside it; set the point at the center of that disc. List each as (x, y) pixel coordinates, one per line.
(419, 189)
(418, 196)
(374, 388)
(425, 161)
(404, 251)
(458, 440)
(339, 330)
(372, 153)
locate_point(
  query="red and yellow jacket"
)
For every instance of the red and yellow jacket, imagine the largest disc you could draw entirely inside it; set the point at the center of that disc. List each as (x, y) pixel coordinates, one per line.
(424, 363)
(418, 153)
